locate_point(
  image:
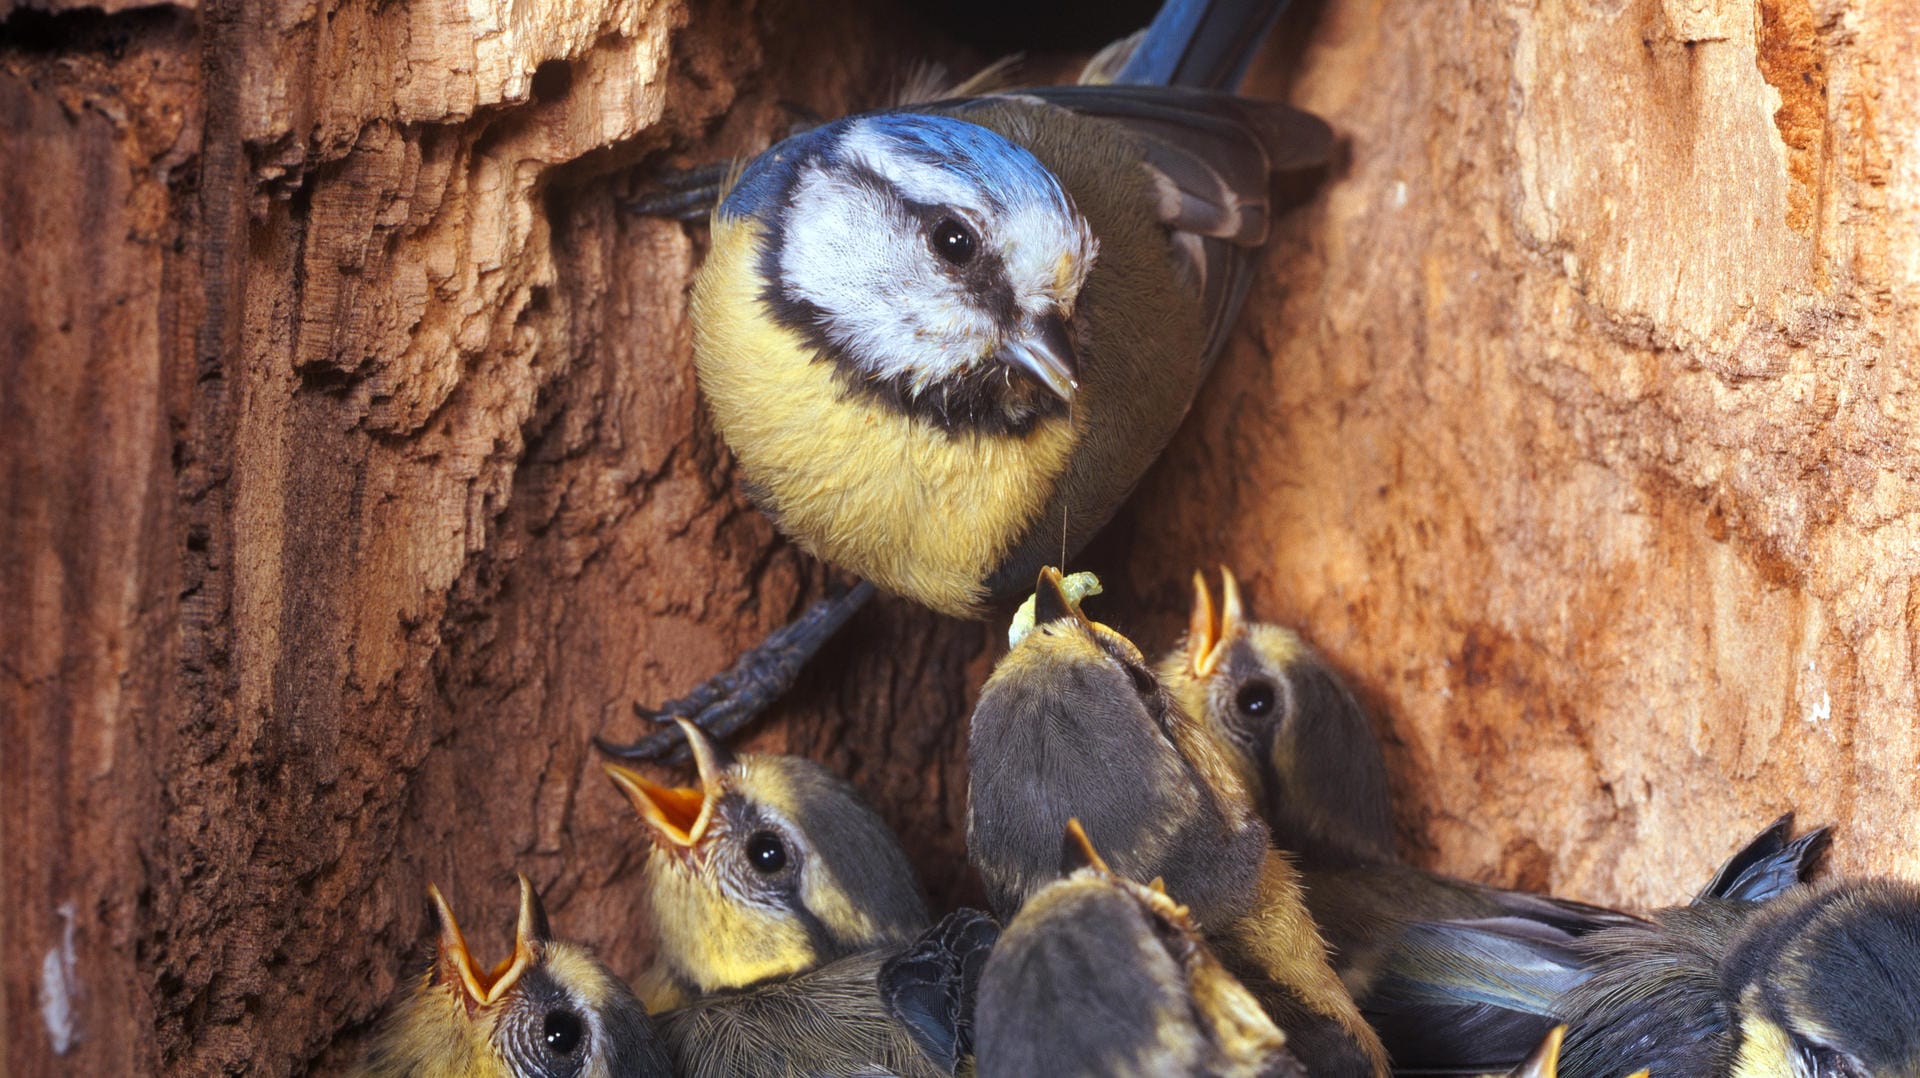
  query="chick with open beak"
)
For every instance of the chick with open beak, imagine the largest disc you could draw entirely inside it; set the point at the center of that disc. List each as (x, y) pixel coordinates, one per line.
(1299, 739)
(1457, 976)
(1072, 723)
(550, 1009)
(770, 867)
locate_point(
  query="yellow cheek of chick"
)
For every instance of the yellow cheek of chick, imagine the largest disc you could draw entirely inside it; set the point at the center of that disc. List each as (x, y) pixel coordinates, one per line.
(917, 510)
(769, 868)
(1766, 1050)
(714, 942)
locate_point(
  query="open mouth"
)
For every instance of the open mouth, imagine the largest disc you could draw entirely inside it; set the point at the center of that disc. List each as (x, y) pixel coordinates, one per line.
(678, 815)
(1207, 636)
(485, 987)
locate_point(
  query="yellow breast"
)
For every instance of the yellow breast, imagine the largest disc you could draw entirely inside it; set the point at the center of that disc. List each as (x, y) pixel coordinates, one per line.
(921, 512)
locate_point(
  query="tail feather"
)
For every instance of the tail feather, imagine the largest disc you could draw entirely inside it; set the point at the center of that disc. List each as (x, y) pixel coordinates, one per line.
(1472, 996)
(1769, 864)
(1206, 44)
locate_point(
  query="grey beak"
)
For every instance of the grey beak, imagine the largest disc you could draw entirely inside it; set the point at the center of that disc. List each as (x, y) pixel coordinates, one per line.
(1045, 351)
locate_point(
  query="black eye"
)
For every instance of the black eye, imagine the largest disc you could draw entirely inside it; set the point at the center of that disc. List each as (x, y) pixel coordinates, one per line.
(765, 852)
(952, 241)
(1255, 698)
(563, 1032)
(1142, 681)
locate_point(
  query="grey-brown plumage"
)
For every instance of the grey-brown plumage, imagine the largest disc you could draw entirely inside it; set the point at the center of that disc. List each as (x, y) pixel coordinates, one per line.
(1458, 977)
(1298, 737)
(1823, 981)
(841, 1020)
(1100, 976)
(1072, 725)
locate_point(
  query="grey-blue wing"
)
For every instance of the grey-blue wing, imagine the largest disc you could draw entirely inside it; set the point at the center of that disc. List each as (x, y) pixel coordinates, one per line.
(1213, 159)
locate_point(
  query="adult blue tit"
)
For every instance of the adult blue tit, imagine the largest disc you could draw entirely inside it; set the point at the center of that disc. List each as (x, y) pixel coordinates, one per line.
(549, 1010)
(905, 1012)
(1822, 981)
(771, 866)
(1100, 975)
(1072, 724)
(1457, 976)
(944, 341)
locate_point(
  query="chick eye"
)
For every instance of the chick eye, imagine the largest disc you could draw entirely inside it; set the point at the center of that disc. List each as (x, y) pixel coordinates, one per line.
(765, 852)
(952, 241)
(1255, 698)
(562, 1033)
(1142, 681)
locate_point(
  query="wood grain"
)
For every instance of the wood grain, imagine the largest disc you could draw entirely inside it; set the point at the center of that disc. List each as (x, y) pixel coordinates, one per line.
(355, 472)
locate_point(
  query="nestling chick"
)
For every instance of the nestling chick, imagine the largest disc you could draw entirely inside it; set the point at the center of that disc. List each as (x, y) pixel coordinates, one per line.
(1072, 724)
(1298, 737)
(1822, 982)
(550, 1010)
(905, 1012)
(772, 866)
(945, 341)
(1456, 976)
(1101, 976)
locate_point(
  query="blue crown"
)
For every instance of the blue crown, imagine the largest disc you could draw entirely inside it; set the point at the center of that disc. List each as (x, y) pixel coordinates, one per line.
(1007, 175)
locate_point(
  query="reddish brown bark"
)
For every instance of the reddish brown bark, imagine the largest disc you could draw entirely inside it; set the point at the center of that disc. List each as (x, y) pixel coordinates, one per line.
(354, 469)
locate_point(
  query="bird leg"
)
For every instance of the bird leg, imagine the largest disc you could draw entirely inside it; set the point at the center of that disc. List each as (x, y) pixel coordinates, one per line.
(691, 194)
(683, 194)
(724, 703)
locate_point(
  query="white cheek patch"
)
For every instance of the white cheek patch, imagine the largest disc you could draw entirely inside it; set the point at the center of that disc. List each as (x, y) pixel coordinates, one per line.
(851, 251)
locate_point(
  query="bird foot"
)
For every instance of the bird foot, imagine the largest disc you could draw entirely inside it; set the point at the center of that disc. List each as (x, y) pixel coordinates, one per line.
(691, 194)
(683, 194)
(724, 703)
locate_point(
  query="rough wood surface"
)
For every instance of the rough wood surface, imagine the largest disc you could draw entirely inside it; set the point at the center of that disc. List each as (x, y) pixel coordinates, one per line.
(1578, 424)
(354, 471)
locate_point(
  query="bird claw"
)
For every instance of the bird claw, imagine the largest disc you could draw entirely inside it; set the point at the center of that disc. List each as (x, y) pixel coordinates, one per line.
(726, 702)
(683, 194)
(667, 746)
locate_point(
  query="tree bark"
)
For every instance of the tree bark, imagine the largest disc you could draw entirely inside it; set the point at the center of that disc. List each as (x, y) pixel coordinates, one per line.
(355, 473)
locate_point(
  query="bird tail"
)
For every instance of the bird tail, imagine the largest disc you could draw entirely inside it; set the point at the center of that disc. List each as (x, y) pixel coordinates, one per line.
(1204, 44)
(1471, 996)
(1769, 864)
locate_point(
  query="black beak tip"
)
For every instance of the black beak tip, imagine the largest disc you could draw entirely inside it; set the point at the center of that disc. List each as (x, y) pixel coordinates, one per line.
(1059, 339)
(1050, 602)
